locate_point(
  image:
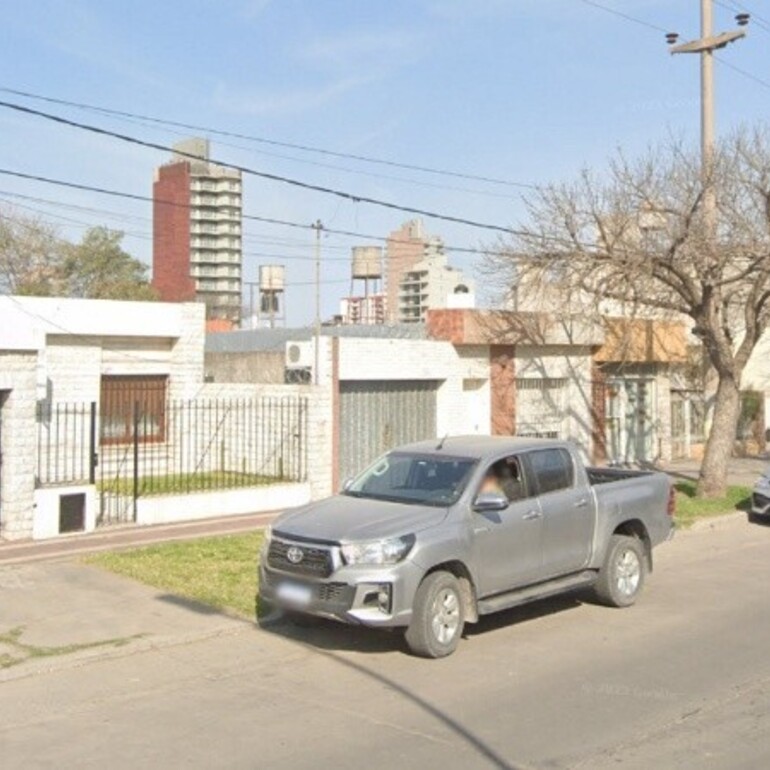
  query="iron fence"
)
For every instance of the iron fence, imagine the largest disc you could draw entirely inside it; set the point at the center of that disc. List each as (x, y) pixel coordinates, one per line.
(144, 448)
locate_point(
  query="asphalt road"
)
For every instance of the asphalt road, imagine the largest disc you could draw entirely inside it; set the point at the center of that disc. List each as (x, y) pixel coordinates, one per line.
(682, 680)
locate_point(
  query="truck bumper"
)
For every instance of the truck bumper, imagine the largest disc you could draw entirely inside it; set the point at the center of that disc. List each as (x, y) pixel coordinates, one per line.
(376, 597)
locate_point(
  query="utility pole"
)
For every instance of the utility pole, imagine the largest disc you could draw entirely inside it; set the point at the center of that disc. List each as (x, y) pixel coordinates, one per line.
(705, 46)
(318, 227)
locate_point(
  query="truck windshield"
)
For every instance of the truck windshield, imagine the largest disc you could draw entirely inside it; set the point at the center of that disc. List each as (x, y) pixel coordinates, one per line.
(404, 477)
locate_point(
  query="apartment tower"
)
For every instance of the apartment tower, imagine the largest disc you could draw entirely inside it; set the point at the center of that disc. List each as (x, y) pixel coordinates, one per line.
(418, 276)
(197, 232)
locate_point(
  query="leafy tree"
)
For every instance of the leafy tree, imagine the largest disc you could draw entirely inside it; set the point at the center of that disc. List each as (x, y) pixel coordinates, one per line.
(99, 268)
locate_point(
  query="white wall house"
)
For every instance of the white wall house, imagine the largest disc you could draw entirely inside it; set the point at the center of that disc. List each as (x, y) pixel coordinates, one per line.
(56, 352)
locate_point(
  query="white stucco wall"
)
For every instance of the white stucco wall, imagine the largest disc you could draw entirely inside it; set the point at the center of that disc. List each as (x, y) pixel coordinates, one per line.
(463, 400)
(561, 362)
(58, 349)
(18, 435)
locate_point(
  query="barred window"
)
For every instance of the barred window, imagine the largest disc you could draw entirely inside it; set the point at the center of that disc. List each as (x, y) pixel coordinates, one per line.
(126, 398)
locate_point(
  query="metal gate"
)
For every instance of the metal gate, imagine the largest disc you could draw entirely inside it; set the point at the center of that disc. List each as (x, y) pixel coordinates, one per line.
(630, 420)
(541, 407)
(376, 416)
(688, 419)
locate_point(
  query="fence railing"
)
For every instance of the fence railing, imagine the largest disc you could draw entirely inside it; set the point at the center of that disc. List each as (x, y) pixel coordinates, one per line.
(180, 447)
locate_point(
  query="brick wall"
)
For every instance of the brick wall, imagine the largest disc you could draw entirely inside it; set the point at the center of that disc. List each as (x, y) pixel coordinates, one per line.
(18, 435)
(502, 382)
(171, 234)
(447, 325)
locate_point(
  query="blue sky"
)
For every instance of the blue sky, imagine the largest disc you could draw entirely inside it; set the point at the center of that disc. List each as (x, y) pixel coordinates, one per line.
(524, 90)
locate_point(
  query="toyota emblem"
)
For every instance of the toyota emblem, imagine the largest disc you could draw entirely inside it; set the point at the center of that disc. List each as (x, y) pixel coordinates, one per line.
(294, 555)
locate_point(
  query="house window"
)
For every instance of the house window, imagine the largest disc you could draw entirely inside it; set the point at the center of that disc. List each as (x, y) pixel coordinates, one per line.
(129, 399)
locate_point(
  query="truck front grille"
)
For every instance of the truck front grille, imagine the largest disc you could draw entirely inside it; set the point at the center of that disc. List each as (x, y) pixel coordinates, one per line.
(313, 561)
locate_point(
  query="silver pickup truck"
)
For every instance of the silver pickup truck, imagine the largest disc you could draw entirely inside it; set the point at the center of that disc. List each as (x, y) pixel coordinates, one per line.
(435, 534)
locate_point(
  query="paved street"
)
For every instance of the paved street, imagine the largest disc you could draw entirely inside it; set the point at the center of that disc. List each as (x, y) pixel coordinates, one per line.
(681, 680)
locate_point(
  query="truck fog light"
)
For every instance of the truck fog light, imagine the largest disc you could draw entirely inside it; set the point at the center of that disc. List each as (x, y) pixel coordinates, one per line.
(383, 598)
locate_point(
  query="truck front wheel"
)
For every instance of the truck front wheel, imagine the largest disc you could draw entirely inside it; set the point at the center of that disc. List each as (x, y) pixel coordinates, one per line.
(437, 616)
(621, 578)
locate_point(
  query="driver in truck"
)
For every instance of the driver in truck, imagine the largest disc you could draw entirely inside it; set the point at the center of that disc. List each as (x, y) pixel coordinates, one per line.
(503, 478)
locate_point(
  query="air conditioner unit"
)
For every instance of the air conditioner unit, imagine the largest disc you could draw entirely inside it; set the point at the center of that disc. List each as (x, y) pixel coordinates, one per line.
(299, 355)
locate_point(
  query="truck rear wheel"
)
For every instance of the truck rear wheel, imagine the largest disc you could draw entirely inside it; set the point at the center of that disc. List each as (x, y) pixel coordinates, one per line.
(437, 616)
(621, 578)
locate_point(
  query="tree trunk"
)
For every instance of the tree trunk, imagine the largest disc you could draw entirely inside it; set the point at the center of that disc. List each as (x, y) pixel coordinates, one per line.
(712, 481)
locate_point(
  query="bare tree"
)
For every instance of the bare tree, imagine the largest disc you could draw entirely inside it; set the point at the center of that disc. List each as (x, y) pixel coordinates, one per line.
(636, 242)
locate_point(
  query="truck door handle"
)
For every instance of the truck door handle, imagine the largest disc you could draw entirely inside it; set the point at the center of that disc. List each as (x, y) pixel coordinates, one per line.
(531, 515)
(582, 503)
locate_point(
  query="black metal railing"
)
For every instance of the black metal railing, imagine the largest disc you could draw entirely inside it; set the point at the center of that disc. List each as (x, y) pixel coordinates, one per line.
(180, 447)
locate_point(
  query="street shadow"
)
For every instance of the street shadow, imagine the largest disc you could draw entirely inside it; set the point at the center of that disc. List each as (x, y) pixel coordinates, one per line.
(334, 636)
(760, 521)
(331, 640)
(188, 604)
(330, 635)
(526, 612)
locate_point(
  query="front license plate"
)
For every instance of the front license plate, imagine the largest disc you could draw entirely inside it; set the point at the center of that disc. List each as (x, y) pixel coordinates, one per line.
(295, 594)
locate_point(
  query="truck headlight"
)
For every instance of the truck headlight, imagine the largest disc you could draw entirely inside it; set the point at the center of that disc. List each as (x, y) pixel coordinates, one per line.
(378, 551)
(266, 537)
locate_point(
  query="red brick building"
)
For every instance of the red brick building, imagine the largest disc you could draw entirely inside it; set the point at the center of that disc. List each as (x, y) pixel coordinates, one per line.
(197, 232)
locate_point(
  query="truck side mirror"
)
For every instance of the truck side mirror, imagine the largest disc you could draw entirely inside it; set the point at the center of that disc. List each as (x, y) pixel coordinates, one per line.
(490, 501)
(347, 483)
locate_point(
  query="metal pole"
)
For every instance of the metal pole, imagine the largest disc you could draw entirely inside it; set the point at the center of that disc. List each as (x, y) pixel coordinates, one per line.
(705, 47)
(136, 458)
(317, 335)
(92, 458)
(707, 121)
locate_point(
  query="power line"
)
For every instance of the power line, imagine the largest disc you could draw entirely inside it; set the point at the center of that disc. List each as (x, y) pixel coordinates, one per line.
(759, 21)
(282, 242)
(635, 20)
(745, 73)
(260, 174)
(143, 235)
(251, 217)
(622, 15)
(267, 141)
(333, 167)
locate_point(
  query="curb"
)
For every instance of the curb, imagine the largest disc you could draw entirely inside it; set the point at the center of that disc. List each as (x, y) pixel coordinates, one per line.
(719, 521)
(66, 547)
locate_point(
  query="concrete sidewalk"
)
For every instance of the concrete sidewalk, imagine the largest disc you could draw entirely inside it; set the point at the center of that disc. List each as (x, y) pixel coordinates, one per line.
(741, 471)
(113, 538)
(58, 615)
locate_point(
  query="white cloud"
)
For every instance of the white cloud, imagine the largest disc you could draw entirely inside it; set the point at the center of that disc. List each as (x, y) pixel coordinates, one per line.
(283, 101)
(359, 48)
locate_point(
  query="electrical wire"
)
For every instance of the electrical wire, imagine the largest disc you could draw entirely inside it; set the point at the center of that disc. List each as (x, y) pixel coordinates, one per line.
(249, 217)
(253, 172)
(745, 73)
(147, 236)
(726, 63)
(626, 16)
(759, 21)
(267, 141)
